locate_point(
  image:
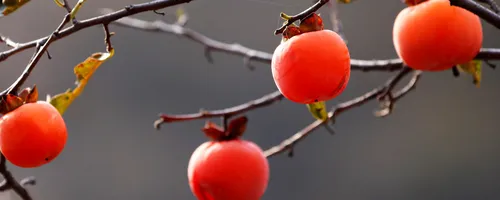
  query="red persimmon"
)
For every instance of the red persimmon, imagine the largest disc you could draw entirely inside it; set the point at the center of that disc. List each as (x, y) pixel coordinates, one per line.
(311, 67)
(433, 35)
(228, 170)
(32, 135)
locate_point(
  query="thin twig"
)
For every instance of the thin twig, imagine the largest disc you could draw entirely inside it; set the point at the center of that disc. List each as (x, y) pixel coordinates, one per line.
(66, 6)
(288, 144)
(39, 53)
(226, 113)
(493, 5)
(103, 19)
(8, 42)
(11, 183)
(107, 37)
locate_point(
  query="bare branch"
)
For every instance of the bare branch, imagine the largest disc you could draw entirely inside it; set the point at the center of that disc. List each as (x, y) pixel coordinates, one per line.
(39, 53)
(476, 8)
(66, 6)
(11, 183)
(226, 113)
(256, 55)
(107, 37)
(493, 5)
(209, 43)
(103, 19)
(288, 144)
(8, 42)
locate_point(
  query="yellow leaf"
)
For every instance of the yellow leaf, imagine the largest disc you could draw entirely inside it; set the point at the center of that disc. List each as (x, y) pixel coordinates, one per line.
(474, 68)
(318, 110)
(83, 73)
(6, 10)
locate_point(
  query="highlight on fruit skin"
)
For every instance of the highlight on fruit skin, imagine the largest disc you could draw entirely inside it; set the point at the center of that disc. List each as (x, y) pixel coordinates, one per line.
(228, 170)
(311, 67)
(433, 35)
(32, 135)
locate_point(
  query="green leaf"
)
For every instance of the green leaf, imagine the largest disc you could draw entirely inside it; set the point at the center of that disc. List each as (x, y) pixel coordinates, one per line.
(474, 68)
(10, 8)
(83, 73)
(318, 110)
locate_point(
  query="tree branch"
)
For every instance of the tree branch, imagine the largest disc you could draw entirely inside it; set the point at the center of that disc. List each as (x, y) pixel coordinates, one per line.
(476, 8)
(103, 19)
(288, 144)
(38, 54)
(11, 183)
(238, 49)
(493, 5)
(225, 113)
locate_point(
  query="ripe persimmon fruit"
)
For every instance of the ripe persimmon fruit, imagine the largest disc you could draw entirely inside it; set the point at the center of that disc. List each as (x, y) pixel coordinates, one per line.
(228, 167)
(311, 67)
(32, 135)
(228, 170)
(433, 35)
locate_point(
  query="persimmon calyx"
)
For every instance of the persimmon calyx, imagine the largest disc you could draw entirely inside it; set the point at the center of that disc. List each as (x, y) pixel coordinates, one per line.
(10, 102)
(234, 130)
(312, 22)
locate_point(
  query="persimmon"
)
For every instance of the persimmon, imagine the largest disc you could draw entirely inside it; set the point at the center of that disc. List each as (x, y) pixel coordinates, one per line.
(433, 35)
(228, 167)
(311, 67)
(32, 135)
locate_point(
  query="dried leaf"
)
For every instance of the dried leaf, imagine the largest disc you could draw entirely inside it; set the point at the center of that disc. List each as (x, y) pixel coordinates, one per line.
(318, 110)
(10, 102)
(83, 73)
(474, 68)
(8, 9)
(213, 130)
(289, 32)
(24, 93)
(237, 127)
(32, 95)
(311, 23)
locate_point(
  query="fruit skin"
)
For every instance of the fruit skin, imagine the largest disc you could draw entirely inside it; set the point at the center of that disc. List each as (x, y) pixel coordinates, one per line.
(228, 170)
(32, 135)
(311, 67)
(435, 36)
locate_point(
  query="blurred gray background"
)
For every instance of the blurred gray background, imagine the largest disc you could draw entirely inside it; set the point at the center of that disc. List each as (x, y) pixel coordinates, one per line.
(441, 142)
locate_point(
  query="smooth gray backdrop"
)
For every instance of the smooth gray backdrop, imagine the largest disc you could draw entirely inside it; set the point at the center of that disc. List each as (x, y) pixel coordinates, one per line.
(441, 142)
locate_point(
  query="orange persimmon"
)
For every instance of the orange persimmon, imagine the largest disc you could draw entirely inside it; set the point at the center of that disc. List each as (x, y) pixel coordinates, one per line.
(32, 135)
(433, 35)
(311, 67)
(228, 170)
